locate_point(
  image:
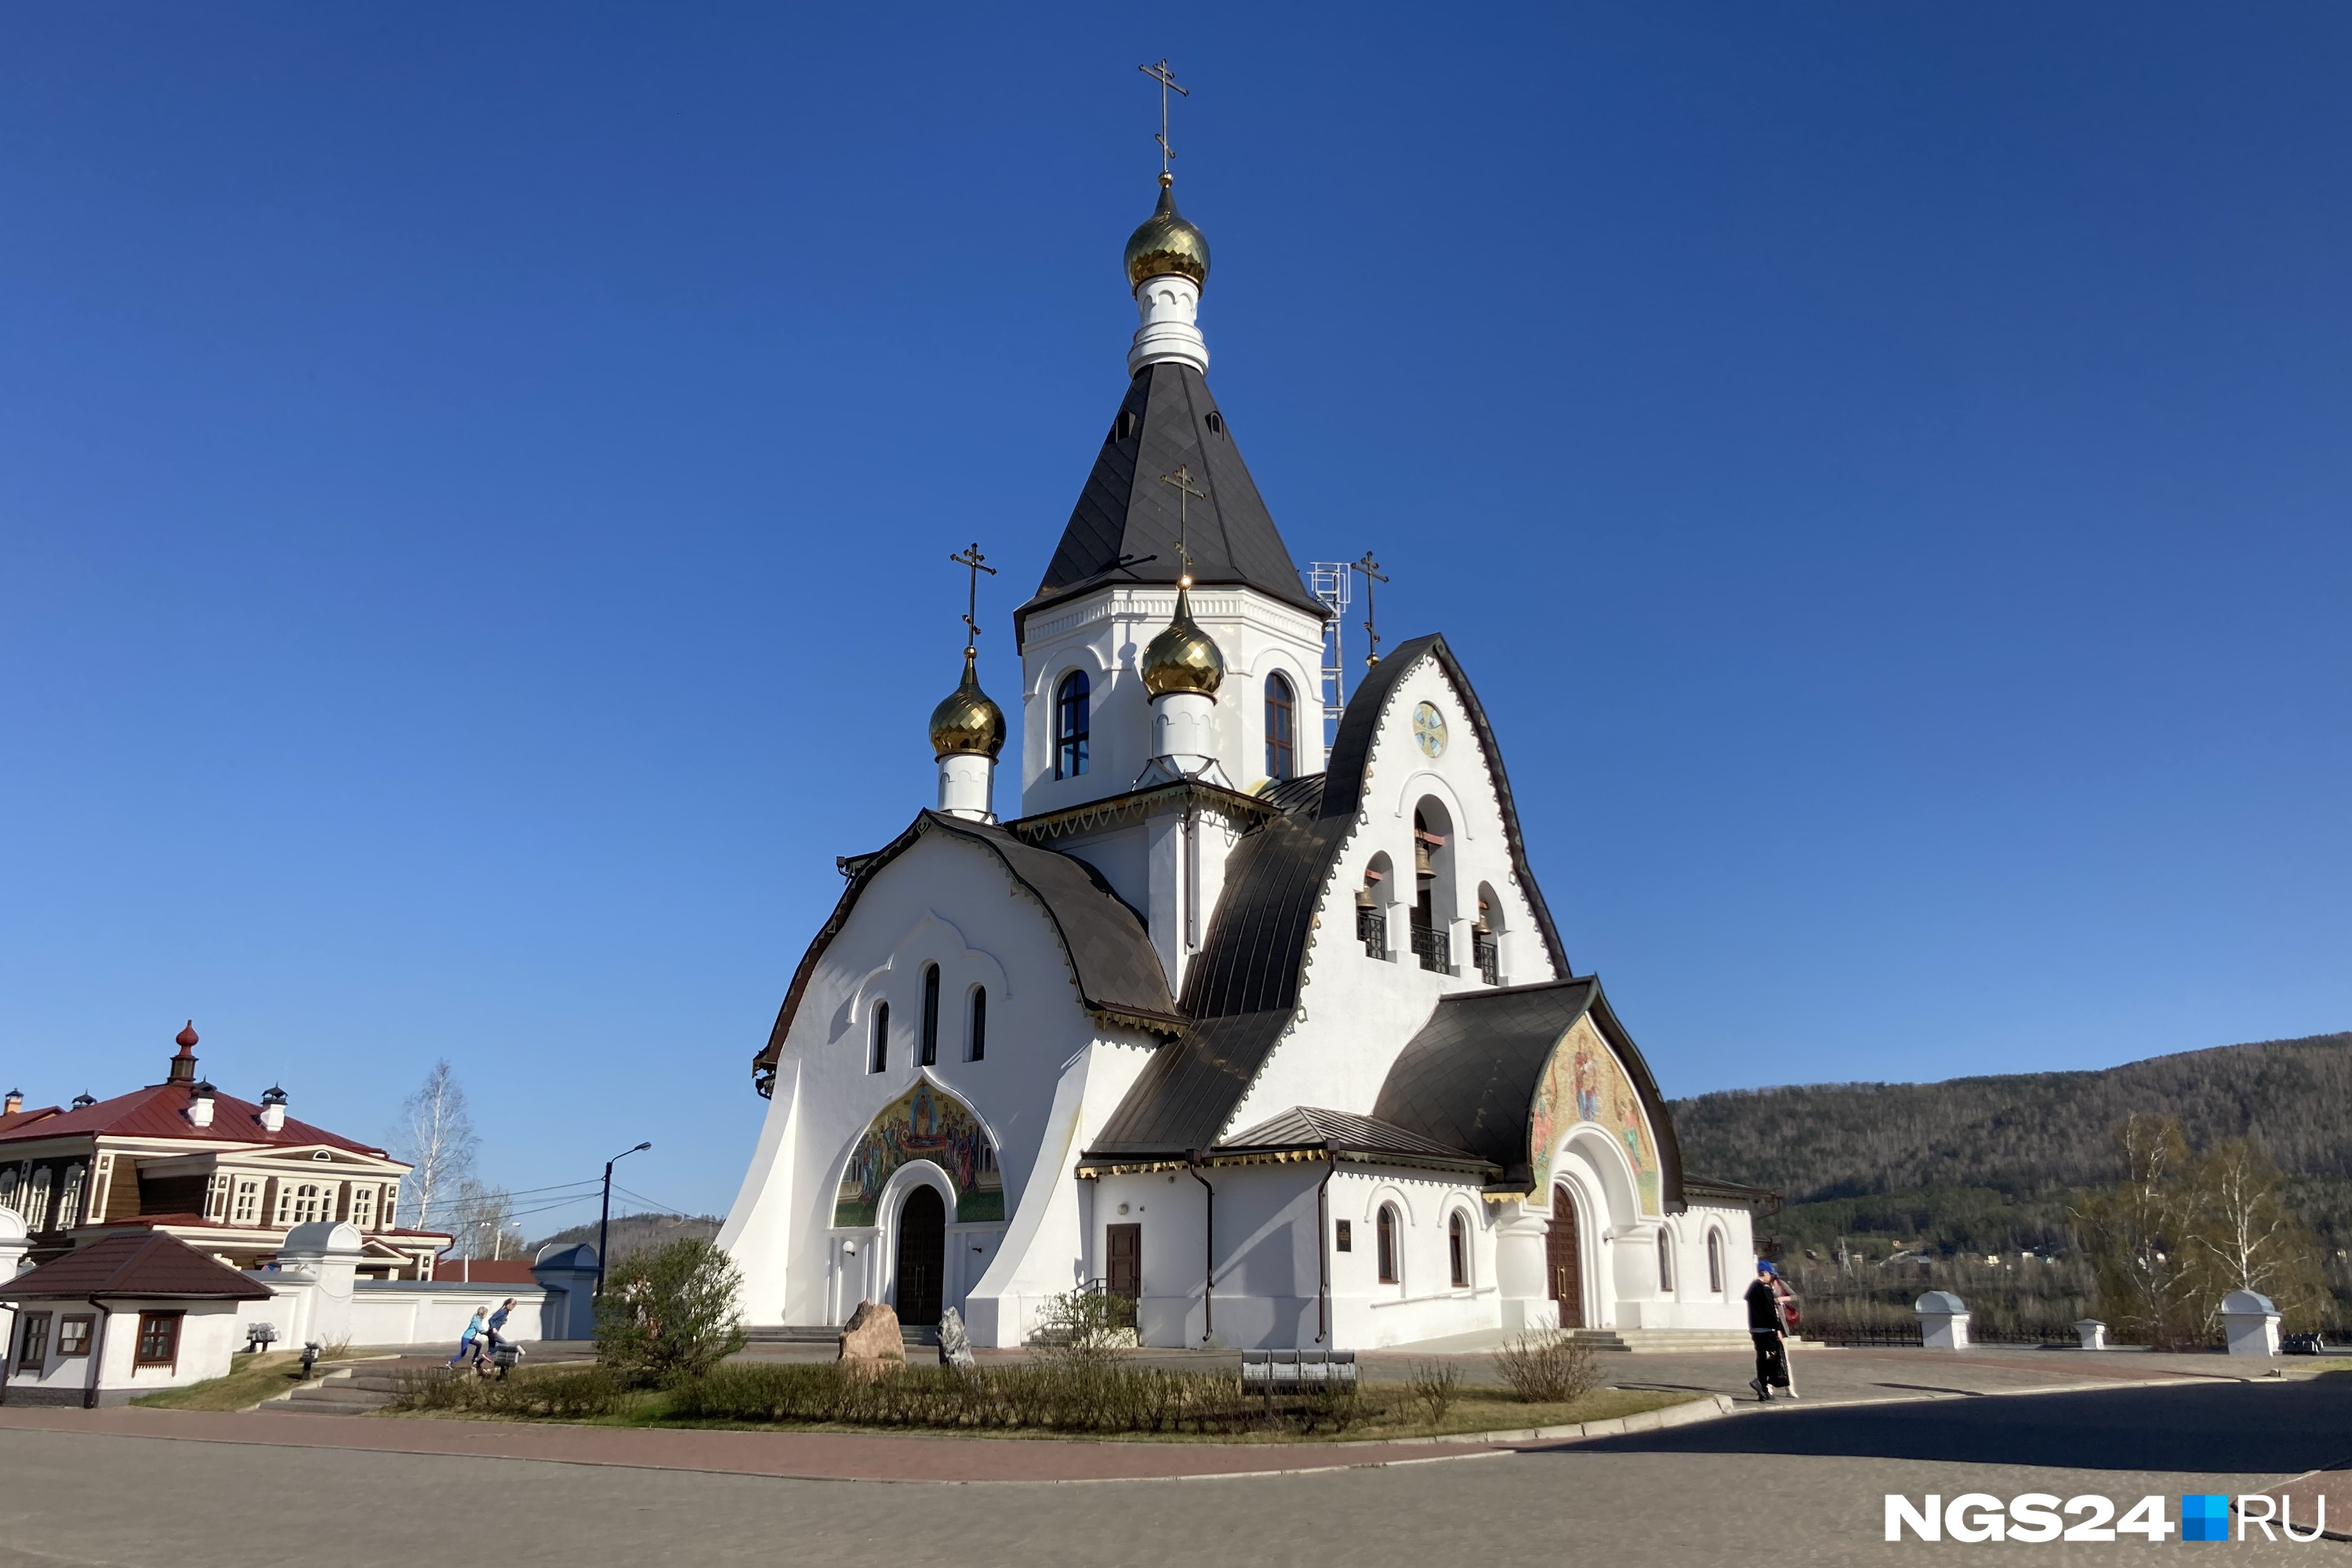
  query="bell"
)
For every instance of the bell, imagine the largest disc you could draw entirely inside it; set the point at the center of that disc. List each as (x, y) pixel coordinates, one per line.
(1421, 867)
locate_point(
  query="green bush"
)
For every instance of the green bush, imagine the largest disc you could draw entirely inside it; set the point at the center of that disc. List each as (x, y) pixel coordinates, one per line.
(669, 1314)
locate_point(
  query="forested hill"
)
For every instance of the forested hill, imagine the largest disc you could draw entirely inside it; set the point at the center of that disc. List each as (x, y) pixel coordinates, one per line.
(2023, 1134)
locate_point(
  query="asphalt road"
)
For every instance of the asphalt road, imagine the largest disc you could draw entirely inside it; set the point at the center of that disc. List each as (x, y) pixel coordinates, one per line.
(1786, 1485)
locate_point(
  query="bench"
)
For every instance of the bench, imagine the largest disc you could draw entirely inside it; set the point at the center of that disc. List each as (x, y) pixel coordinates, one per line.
(1297, 1372)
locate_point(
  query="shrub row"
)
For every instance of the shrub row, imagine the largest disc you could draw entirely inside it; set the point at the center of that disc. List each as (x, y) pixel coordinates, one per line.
(1079, 1396)
(561, 1394)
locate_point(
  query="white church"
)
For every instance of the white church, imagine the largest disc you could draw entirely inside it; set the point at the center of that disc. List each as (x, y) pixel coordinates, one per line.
(1277, 1041)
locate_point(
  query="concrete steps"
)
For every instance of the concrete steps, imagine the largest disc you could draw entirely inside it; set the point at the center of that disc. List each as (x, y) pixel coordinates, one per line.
(822, 1335)
(348, 1391)
(1662, 1341)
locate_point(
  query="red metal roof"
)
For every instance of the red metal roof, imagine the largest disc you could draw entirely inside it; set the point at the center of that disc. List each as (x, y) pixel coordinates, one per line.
(16, 1119)
(159, 1110)
(144, 1263)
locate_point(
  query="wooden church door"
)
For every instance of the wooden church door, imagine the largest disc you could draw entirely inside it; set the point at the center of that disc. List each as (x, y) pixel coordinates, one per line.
(922, 1256)
(1564, 1257)
(1125, 1265)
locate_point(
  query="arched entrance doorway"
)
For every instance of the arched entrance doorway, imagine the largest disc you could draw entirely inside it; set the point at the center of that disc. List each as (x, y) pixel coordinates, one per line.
(1565, 1261)
(922, 1255)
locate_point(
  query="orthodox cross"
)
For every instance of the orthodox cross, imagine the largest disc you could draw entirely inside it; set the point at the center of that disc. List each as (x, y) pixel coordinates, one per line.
(1166, 80)
(974, 559)
(1182, 480)
(1371, 571)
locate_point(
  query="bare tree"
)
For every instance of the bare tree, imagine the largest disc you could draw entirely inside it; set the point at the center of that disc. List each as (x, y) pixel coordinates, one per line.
(482, 1220)
(2245, 1236)
(2138, 1230)
(436, 1136)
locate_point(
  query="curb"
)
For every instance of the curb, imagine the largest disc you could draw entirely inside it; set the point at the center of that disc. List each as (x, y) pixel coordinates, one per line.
(1705, 1408)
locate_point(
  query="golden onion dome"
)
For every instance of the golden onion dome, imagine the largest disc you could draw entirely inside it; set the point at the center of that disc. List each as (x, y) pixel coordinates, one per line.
(967, 723)
(1182, 658)
(1165, 243)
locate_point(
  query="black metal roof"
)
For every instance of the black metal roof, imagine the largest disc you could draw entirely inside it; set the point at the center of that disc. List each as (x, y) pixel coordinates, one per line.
(1469, 1077)
(1125, 513)
(1311, 1126)
(1118, 971)
(1242, 991)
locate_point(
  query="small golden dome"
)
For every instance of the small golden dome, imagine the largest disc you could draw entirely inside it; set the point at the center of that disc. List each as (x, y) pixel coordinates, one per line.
(967, 723)
(1165, 243)
(1182, 658)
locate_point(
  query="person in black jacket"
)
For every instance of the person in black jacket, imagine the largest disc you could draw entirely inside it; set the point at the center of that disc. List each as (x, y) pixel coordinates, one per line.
(1766, 1327)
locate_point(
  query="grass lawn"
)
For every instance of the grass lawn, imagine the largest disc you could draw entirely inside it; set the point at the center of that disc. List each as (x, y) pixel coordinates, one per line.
(251, 1379)
(1388, 1413)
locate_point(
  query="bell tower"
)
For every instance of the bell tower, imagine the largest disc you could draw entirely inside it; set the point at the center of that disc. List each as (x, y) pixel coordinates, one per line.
(1168, 527)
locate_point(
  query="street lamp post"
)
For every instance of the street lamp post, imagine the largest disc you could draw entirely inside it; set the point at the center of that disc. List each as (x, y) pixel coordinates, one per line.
(605, 1219)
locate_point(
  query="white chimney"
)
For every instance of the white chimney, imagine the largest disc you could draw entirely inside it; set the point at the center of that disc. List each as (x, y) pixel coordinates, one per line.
(200, 1105)
(273, 1109)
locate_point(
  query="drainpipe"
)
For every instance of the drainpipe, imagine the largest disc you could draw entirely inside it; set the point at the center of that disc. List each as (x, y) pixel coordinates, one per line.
(8, 1344)
(97, 1353)
(1323, 1245)
(1209, 1260)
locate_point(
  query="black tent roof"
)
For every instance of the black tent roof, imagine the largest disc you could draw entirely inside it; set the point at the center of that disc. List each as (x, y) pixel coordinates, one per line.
(1125, 514)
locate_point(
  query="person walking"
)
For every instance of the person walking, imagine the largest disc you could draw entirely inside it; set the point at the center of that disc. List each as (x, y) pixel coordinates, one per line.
(475, 1328)
(1784, 1296)
(493, 1333)
(1765, 1327)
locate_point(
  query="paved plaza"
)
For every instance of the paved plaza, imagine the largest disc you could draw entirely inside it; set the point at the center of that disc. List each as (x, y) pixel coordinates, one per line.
(1801, 1483)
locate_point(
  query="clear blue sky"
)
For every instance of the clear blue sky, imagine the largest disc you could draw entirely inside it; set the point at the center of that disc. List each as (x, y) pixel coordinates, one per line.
(474, 485)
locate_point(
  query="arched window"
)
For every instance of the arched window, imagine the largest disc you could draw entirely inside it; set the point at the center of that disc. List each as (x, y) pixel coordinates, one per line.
(1485, 936)
(1070, 725)
(1371, 910)
(1384, 1231)
(1715, 1262)
(36, 1203)
(1665, 1259)
(69, 1201)
(1433, 867)
(931, 1014)
(881, 1038)
(1457, 1250)
(979, 1048)
(1281, 743)
(7, 1189)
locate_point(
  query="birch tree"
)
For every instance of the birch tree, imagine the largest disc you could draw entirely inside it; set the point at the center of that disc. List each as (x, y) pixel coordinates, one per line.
(482, 1219)
(2245, 1239)
(2139, 1234)
(436, 1137)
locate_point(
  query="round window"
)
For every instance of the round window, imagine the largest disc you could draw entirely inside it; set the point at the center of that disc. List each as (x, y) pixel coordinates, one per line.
(1429, 729)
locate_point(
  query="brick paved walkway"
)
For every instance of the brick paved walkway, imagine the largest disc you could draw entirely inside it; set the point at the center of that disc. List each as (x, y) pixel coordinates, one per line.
(810, 1456)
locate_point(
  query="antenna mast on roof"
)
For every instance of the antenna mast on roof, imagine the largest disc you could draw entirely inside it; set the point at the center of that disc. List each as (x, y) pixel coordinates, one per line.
(1330, 581)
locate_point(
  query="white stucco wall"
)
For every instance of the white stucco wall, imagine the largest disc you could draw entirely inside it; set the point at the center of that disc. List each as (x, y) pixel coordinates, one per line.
(1105, 633)
(949, 902)
(1357, 1011)
(208, 1337)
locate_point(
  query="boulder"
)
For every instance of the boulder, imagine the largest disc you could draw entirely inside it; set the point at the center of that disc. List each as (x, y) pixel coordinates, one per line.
(955, 1345)
(871, 1341)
